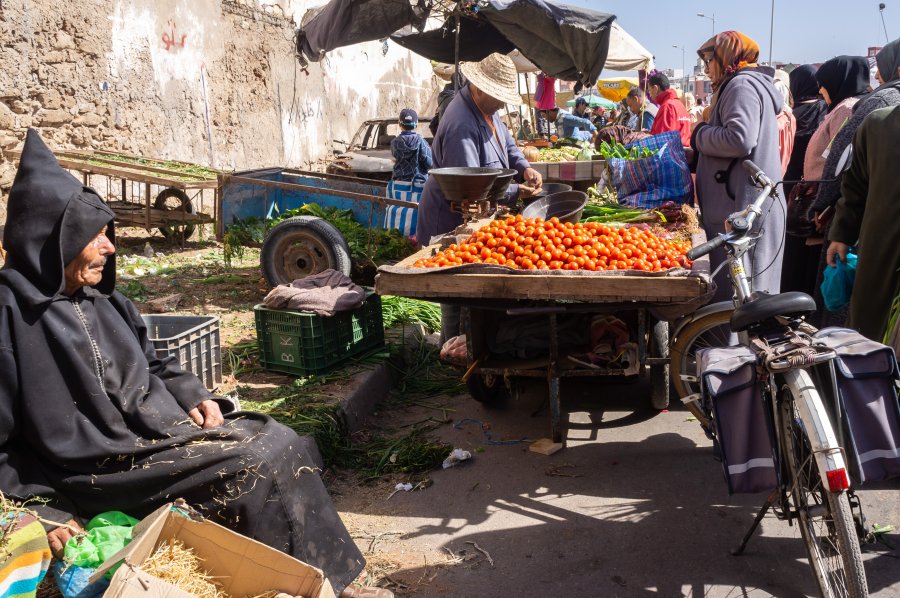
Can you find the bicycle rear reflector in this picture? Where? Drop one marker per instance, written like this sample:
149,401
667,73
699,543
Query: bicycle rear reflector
837,480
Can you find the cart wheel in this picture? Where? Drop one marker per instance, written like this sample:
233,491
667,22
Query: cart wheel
175,199
659,372
301,246
488,390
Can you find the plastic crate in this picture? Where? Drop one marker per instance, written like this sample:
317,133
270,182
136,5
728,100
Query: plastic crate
303,343
193,339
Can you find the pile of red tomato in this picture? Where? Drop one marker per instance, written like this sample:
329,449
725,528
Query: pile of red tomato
536,244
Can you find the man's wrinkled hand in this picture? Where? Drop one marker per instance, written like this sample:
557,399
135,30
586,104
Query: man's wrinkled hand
533,179
526,191
207,414
58,537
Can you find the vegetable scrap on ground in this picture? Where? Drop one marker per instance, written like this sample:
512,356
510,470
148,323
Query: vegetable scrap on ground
536,244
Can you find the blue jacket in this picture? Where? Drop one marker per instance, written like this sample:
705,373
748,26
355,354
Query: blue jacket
569,125
412,157
464,139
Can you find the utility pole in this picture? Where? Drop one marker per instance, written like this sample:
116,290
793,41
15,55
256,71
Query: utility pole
712,18
771,32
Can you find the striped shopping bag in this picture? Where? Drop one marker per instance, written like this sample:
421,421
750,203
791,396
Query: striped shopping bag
650,182
399,217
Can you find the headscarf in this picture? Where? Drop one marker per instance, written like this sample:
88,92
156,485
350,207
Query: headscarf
843,77
733,51
888,61
804,86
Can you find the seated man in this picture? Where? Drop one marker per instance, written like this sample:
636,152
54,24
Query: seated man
641,114
91,420
572,126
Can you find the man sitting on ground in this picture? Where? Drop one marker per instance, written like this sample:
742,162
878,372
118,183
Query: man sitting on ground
91,420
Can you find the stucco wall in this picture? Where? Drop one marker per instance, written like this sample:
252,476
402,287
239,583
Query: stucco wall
140,76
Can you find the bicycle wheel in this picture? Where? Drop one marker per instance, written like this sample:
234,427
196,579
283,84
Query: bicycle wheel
710,330
825,521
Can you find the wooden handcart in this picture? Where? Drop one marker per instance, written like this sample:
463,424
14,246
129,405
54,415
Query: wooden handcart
147,192
490,298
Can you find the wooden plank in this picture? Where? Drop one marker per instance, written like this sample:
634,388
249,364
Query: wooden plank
132,173
591,288
133,166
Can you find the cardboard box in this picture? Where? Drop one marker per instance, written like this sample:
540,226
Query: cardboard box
243,567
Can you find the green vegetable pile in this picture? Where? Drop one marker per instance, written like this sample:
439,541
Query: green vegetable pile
617,213
566,153
400,310
617,150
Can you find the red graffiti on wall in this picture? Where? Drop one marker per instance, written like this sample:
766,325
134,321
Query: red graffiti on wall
171,39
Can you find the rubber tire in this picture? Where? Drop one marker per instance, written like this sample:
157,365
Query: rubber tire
175,233
659,373
490,395
323,247
679,358
842,525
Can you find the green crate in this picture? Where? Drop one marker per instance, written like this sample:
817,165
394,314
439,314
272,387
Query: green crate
303,343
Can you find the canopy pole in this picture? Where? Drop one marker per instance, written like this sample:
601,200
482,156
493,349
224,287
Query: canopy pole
531,110
456,52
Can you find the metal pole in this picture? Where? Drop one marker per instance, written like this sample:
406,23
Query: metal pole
881,11
771,32
456,54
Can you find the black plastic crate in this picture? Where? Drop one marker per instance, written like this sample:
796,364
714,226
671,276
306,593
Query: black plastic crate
303,343
193,339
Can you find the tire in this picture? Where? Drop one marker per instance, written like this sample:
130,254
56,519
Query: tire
301,246
490,391
824,517
659,372
175,199
710,330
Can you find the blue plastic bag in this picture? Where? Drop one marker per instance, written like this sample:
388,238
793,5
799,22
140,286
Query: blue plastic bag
837,283
72,581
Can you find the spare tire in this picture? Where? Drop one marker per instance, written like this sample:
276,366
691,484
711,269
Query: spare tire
301,246
175,199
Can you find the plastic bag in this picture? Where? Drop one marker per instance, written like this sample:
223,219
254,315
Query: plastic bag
647,183
455,350
837,283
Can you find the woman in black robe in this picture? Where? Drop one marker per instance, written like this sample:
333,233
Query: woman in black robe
91,420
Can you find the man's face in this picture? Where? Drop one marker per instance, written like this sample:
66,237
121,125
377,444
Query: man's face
86,270
634,104
580,109
487,104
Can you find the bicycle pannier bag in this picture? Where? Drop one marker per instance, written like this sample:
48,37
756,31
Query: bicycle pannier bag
870,413
741,416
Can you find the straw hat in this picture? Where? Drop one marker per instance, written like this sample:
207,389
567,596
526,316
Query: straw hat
495,76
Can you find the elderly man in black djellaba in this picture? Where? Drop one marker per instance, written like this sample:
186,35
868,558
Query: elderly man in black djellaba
92,421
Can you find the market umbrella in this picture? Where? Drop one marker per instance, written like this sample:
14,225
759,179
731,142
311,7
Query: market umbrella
566,42
594,101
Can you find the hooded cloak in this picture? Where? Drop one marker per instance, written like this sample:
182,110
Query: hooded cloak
91,420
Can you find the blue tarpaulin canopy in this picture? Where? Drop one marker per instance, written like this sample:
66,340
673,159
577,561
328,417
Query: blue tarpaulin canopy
566,42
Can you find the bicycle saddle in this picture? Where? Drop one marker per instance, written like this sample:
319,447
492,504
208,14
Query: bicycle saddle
763,306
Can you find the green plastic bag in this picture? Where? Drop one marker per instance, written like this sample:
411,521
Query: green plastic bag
107,534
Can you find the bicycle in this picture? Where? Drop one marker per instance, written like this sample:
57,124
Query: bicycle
813,487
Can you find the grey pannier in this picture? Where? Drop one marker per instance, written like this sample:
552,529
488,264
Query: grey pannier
866,373
741,416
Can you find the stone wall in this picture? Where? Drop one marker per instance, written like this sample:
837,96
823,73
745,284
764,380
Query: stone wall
208,81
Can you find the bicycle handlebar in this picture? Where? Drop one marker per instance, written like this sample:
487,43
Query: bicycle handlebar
704,248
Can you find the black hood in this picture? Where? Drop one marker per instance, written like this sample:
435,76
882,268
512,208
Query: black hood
50,218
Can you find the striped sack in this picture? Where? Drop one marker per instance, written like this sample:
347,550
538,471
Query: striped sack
650,182
399,217
25,554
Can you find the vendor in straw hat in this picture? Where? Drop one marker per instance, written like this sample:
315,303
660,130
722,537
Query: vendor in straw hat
471,134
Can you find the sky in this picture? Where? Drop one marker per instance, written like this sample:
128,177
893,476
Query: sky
804,31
